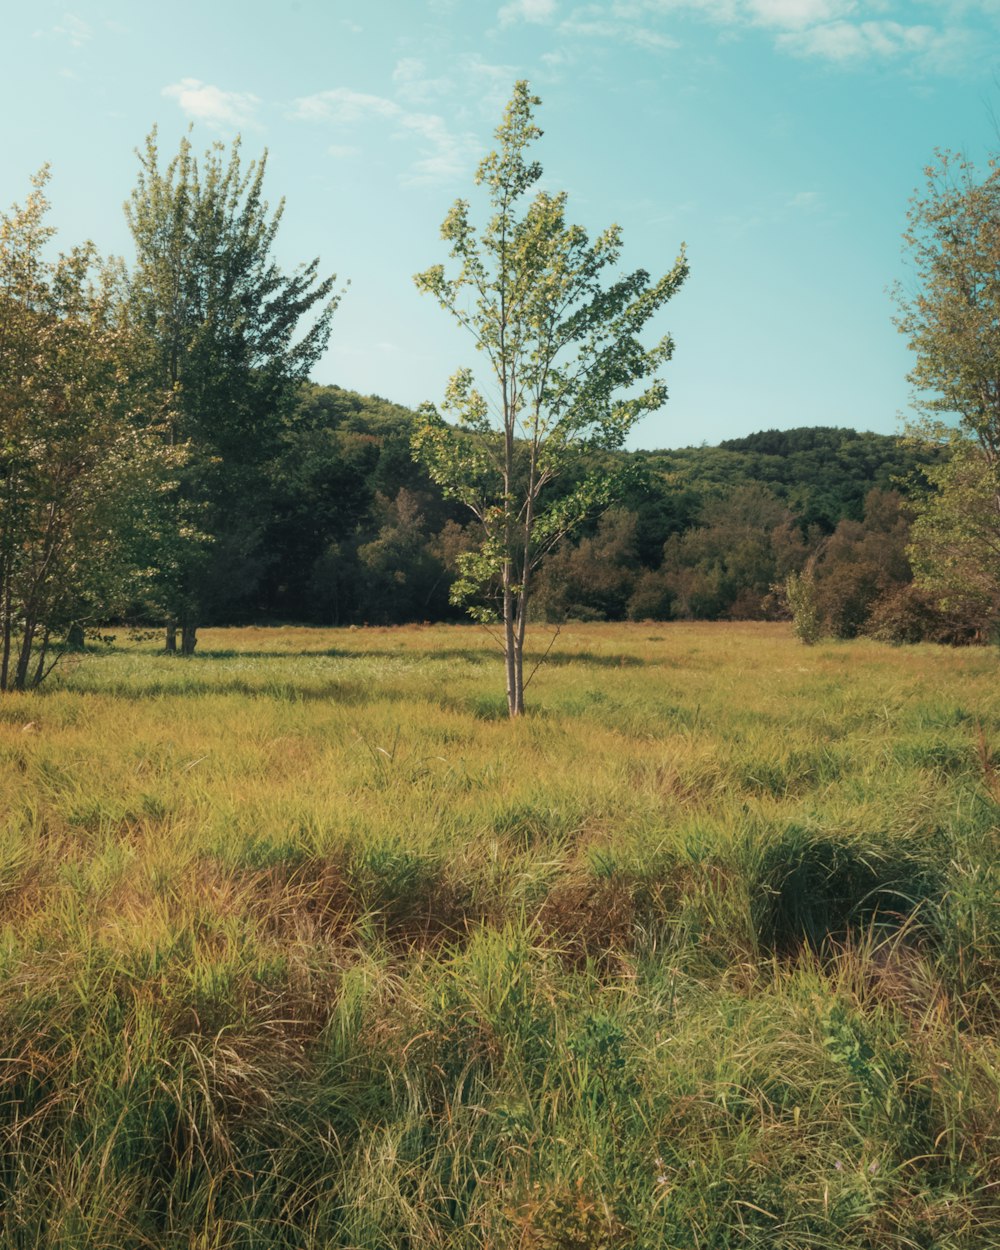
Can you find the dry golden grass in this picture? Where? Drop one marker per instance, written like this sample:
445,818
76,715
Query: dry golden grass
305,944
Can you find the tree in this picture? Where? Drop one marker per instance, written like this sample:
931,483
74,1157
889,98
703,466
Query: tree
953,319
228,338
953,325
594,579
955,547
82,465
566,368
861,563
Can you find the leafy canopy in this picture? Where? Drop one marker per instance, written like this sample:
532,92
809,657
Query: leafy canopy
565,363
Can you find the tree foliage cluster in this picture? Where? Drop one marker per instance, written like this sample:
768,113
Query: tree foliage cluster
140,408
84,468
950,315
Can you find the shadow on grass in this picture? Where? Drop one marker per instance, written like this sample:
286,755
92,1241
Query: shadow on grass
554,659
813,888
466,655
354,694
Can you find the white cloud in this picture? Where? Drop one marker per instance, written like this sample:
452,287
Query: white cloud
795,14
438,154
205,103
806,200
413,83
73,28
343,151
953,34
844,42
343,107
619,31
527,11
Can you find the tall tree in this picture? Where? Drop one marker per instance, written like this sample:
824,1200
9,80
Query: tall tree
952,322
952,319
82,465
566,369
228,338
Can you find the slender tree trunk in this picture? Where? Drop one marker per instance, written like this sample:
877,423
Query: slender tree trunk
8,580
512,650
7,627
40,667
24,657
170,637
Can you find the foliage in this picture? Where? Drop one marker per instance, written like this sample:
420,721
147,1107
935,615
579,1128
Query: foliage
594,578
564,359
800,594
952,320
861,562
955,547
727,565
911,614
80,481
227,336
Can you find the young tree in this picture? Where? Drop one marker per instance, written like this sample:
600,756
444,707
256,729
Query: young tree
80,481
566,370
228,338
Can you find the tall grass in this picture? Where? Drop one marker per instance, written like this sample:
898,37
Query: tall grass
304,945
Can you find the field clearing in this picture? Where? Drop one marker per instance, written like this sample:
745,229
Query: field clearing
306,945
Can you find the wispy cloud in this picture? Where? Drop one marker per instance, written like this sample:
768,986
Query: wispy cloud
584,24
343,107
806,200
217,108
414,84
796,14
70,28
343,151
527,11
73,28
841,32
437,152
845,42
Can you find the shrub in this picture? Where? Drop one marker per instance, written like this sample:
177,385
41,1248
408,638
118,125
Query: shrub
909,614
800,593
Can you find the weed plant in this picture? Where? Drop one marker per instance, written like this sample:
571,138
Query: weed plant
304,945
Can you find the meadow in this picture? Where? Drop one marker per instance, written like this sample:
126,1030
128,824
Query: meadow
304,944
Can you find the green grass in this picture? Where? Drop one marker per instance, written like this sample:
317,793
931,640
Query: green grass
303,944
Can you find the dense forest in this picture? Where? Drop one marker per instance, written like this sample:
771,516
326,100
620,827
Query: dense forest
353,531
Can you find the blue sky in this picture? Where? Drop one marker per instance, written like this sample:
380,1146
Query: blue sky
780,139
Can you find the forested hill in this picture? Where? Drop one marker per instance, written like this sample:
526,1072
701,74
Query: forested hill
822,472
359,532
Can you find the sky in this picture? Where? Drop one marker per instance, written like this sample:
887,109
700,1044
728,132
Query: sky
780,140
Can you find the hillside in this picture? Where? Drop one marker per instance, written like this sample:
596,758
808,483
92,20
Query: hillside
359,533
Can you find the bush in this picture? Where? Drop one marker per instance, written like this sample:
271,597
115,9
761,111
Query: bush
652,599
800,593
908,614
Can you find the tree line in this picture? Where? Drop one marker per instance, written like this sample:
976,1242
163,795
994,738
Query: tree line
360,533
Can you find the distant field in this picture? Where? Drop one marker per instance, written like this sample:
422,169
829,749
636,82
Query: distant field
304,944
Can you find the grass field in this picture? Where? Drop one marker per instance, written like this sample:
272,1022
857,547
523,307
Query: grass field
304,944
